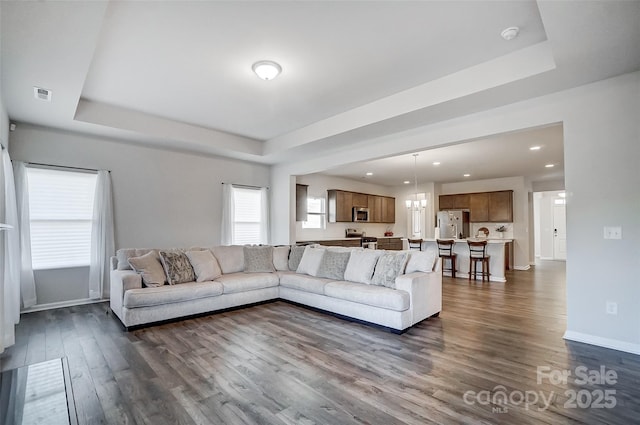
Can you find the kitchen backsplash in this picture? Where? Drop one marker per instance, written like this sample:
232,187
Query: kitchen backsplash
493,232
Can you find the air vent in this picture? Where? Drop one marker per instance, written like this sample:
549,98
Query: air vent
42,94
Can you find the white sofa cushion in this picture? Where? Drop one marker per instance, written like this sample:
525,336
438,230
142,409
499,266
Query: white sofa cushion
204,264
258,259
241,282
147,297
281,257
124,254
149,267
420,261
361,265
303,282
377,296
310,262
230,258
389,266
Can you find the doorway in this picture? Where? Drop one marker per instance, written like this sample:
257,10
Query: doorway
550,225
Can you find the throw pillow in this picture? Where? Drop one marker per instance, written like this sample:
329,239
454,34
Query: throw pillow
150,268
258,259
295,256
420,261
361,266
204,264
281,257
310,262
230,258
333,264
177,267
390,266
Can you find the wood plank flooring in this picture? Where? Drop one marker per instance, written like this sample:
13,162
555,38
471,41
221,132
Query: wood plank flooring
283,364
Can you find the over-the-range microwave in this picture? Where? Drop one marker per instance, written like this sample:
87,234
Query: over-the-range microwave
360,214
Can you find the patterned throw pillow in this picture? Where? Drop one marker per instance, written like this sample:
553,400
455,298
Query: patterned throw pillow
258,259
390,266
177,267
295,256
333,264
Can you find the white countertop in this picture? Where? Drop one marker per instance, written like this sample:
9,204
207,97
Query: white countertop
353,238
489,240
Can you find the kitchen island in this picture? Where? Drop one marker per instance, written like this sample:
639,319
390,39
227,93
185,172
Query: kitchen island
497,250
393,243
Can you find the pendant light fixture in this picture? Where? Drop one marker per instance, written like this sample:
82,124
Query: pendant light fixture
415,205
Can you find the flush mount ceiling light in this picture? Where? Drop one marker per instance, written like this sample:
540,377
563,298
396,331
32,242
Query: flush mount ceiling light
407,182
510,33
266,70
369,174
549,166
466,175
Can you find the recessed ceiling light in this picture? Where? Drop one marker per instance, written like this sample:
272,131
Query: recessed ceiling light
369,174
549,165
510,33
267,70
466,175
406,182
436,163
535,148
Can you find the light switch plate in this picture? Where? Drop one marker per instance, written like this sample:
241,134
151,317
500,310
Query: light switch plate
613,232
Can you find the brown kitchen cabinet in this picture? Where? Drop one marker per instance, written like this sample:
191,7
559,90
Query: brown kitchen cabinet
340,206
394,244
461,201
375,208
301,202
360,200
501,206
382,209
479,207
446,202
388,209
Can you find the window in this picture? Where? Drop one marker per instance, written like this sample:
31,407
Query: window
315,214
249,221
61,214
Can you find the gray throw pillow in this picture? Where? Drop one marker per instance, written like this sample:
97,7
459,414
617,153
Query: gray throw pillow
295,256
258,259
177,267
333,264
390,266
149,268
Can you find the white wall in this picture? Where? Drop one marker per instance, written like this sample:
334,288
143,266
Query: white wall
519,229
601,134
161,198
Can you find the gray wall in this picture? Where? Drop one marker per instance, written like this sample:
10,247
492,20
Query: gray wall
161,198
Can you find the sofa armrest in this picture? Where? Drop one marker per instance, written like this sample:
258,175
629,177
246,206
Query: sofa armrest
113,263
121,282
425,293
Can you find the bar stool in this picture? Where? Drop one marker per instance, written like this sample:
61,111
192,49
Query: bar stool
415,244
478,254
445,251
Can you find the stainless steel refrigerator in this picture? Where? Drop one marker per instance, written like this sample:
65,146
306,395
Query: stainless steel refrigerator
453,224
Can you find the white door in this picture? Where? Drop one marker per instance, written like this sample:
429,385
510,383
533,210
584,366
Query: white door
559,232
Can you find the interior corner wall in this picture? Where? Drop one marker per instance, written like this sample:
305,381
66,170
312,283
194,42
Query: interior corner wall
161,198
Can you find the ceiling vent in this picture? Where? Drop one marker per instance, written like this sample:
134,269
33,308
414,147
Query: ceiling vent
42,94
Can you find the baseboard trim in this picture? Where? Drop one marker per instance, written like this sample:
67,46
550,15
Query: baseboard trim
522,268
599,341
61,304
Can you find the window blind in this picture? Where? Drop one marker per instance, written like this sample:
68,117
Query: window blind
61,214
247,223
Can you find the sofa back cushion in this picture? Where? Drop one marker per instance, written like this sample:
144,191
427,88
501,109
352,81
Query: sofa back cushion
150,268
258,259
230,258
295,256
124,254
281,258
421,261
333,264
205,266
177,267
361,266
310,262
389,266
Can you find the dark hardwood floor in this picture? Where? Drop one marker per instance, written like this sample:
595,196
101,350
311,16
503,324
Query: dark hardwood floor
283,364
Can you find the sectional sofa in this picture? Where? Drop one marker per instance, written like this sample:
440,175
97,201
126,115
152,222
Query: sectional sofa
391,289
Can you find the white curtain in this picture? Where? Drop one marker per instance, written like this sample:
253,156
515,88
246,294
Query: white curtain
27,281
226,228
102,239
10,280
264,215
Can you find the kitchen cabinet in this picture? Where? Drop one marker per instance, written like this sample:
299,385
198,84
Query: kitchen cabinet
446,202
382,209
479,207
301,202
461,201
501,206
394,244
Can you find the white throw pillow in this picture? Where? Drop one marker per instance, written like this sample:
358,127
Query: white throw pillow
420,261
361,265
281,257
310,262
204,265
230,258
150,268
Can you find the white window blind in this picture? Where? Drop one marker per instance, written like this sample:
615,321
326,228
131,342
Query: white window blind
247,224
315,213
61,213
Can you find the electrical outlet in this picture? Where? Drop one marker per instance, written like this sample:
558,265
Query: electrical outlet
613,232
612,308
